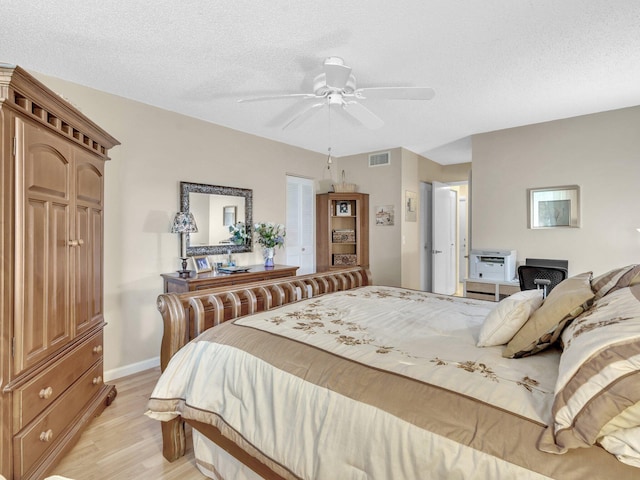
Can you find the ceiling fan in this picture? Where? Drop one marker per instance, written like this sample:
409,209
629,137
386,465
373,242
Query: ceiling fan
336,87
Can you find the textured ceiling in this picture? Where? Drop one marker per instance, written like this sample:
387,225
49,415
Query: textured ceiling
493,63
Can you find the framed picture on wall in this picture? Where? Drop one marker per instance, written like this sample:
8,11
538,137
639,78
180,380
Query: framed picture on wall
554,207
411,211
384,215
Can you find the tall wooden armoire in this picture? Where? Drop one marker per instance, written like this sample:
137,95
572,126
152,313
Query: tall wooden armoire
51,282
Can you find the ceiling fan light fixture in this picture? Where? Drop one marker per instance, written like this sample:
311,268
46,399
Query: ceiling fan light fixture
336,85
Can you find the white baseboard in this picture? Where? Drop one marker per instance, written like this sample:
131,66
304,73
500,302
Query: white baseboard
131,369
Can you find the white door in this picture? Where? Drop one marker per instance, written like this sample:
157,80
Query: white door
463,254
444,239
300,224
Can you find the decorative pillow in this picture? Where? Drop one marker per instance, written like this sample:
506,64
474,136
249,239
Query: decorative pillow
504,321
565,302
615,279
596,395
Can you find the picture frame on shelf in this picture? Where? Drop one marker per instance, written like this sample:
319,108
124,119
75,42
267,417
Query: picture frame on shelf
201,264
343,208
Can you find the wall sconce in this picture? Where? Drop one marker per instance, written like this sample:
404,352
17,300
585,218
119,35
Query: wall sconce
184,223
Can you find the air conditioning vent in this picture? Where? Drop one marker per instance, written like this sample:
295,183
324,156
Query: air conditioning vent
379,159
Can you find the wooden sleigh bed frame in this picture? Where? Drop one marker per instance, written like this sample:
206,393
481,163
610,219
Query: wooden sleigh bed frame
187,315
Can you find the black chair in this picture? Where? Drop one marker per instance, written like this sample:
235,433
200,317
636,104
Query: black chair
532,277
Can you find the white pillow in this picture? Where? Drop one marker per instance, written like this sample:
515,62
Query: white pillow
504,321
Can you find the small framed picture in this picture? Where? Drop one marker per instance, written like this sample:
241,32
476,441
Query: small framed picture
343,208
201,264
411,200
384,215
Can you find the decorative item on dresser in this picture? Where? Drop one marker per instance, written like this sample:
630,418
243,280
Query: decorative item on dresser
270,235
51,303
184,223
342,232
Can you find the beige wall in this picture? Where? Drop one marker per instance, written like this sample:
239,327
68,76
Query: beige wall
600,153
159,149
410,240
430,171
395,250
383,184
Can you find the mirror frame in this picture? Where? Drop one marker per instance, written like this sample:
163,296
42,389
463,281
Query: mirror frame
187,187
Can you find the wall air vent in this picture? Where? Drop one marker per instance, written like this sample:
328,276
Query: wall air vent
379,159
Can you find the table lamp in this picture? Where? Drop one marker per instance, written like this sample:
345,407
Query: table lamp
184,223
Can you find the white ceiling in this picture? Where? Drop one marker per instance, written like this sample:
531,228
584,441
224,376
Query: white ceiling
493,63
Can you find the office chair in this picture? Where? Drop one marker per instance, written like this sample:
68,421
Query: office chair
532,277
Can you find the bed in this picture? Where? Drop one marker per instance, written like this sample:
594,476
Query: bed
327,376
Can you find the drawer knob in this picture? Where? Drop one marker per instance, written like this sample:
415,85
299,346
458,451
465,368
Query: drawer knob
46,436
97,380
46,393
97,349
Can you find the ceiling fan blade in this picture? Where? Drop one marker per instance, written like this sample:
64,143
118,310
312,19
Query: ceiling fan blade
303,116
361,113
396,93
276,97
336,72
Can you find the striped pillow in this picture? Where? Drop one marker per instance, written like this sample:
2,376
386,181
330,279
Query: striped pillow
565,302
599,374
613,280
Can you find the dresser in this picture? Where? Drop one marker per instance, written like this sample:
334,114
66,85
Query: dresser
51,276
173,283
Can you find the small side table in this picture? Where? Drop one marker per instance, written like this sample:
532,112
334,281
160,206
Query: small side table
489,289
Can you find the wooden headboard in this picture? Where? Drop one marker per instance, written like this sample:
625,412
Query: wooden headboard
186,315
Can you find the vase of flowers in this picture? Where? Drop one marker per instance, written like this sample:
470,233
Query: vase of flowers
239,233
269,235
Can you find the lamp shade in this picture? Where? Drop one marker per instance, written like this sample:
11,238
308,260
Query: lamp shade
184,222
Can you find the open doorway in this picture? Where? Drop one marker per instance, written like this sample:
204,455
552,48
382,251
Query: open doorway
444,236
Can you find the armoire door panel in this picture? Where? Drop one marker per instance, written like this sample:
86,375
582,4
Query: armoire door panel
82,266
47,168
89,268
45,303
89,221
43,318
89,183
96,305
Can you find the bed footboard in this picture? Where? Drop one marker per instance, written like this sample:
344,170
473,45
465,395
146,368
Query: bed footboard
186,315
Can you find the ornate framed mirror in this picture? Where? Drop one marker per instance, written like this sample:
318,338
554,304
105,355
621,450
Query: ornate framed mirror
210,206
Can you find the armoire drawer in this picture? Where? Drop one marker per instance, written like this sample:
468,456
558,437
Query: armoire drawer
43,433
33,397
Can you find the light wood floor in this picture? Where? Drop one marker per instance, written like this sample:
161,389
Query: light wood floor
123,443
